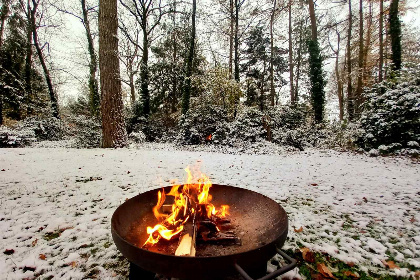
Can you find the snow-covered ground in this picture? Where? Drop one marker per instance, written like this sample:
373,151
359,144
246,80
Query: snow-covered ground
56,204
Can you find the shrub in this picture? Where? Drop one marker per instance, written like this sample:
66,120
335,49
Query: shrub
392,113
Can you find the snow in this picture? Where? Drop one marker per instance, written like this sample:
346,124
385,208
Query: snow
354,207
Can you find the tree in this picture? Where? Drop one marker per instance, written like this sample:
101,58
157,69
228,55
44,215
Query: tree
292,89
257,60
187,82
381,39
17,102
83,13
33,13
315,65
395,34
360,61
113,127
350,97
144,11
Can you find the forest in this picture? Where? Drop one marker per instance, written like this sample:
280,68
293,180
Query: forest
294,73
212,139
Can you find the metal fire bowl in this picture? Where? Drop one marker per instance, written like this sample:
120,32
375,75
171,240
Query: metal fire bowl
260,222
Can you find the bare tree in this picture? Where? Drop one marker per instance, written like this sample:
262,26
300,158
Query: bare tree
34,15
113,127
360,62
272,18
292,89
350,97
381,39
148,14
187,82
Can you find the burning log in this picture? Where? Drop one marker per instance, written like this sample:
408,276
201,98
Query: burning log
186,245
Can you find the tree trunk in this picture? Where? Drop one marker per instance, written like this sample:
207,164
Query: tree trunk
94,99
272,90
292,90
28,60
1,109
174,61
367,45
236,40
339,81
313,20
187,85
395,34
381,39
350,105
144,73
299,61
231,35
360,62
4,12
53,97
113,127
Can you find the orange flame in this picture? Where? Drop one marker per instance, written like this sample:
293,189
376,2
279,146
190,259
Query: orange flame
193,198
208,138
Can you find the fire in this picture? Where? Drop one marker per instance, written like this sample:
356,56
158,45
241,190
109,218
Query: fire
208,138
191,200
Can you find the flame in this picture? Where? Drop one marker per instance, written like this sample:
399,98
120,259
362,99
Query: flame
193,198
208,138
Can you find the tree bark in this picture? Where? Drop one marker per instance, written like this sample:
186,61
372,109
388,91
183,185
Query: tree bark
272,89
4,12
360,62
174,61
187,85
231,35
350,105
236,40
28,59
144,72
53,96
94,98
313,20
113,127
299,61
381,39
339,81
395,34
367,45
292,89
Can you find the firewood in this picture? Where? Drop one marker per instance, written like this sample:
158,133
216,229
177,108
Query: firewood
220,237
187,242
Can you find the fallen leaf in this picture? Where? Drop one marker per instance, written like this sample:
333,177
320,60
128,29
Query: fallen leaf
413,220
324,270
73,264
365,199
308,255
9,252
42,257
314,184
34,242
351,264
363,231
3,170
351,274
390,264
298,230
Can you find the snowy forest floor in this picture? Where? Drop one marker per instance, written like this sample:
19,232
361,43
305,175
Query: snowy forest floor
356,213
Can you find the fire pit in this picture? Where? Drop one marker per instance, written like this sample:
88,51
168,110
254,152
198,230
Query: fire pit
259,226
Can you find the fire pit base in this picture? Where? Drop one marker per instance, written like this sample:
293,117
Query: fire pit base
137,273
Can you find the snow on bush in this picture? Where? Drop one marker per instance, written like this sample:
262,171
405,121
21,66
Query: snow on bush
391,116
16,137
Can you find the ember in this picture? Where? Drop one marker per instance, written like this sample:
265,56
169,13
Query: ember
191,216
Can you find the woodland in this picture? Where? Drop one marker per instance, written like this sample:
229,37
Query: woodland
298,74
314,104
